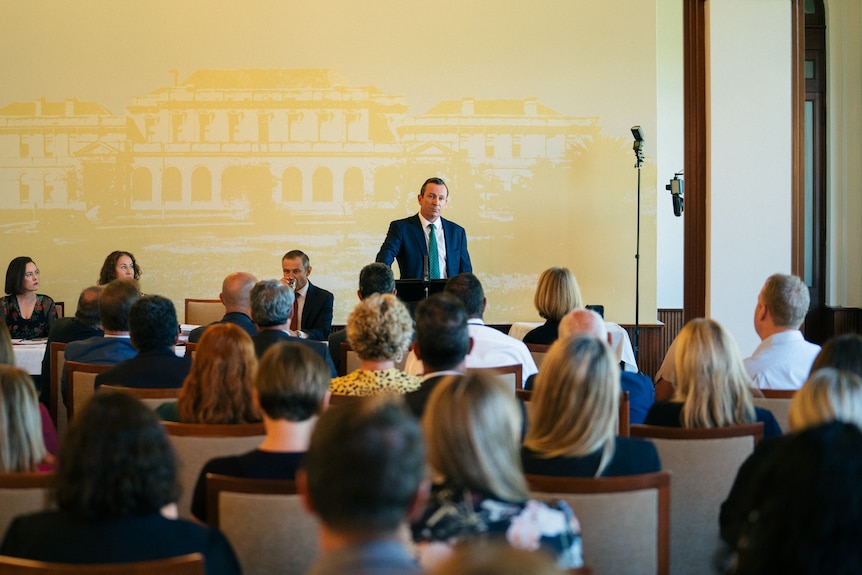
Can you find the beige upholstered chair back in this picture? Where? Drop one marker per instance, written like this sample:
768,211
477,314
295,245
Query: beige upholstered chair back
55,400
152,397
265,522
538,351
778,402
625,521
203,311
350,359
192,564
703,464
81,384
22,493
195,444
511,374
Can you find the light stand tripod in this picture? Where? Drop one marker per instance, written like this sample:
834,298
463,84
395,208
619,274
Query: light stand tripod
638,148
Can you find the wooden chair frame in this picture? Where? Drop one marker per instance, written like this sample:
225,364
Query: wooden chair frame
71,367
213,429
191,564
218,483
538,351
779,393
190,348
659,481
515,369
659,432
54,397
145,392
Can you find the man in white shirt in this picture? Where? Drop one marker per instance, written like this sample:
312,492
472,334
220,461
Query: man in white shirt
491,347
783,358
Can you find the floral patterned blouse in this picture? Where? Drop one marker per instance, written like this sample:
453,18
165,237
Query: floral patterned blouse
39,323
456,513
367,382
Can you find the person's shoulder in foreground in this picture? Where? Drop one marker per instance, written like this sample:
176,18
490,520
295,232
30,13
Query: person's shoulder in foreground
631,457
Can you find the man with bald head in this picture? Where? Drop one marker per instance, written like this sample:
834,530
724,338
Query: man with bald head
639,386
235,290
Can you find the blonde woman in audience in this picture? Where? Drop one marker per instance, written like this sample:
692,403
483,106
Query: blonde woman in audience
556,295
574,417
22,446
290,387
218,388
472,427
119,265
379,330
829,395
712,387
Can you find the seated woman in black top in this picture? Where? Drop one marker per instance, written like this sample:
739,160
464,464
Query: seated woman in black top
556,295
712,387
115,472
574,413
289,389
29,315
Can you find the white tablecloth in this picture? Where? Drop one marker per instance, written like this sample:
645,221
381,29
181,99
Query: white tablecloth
620,341
28,356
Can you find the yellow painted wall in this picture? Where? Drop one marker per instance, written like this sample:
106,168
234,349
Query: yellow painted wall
209,137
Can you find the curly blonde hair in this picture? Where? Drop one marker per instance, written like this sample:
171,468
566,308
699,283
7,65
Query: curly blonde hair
218,388
379,328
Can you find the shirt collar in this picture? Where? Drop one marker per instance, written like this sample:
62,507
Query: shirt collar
438,225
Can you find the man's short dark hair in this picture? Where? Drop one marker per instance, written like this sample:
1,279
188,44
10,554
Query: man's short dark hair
467,288
116,302
87,311
271,302
437,181
153,323
442,335
376,278
292,254
365,464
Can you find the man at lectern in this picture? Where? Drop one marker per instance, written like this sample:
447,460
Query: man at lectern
427,237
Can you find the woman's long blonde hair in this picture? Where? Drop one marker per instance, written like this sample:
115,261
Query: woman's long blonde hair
218,387
711,381
575,404
22,447
472,428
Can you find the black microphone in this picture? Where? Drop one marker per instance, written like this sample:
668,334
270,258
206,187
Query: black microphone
426,274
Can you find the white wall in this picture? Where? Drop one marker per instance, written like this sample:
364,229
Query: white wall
749,185
844,151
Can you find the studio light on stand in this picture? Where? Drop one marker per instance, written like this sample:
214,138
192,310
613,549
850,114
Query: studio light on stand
638,148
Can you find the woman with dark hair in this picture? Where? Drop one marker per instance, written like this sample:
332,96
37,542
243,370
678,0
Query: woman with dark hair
219,386
841,352
29,315
119,265
116,472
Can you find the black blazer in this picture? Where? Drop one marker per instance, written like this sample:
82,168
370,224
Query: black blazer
405,242
317,313
268,337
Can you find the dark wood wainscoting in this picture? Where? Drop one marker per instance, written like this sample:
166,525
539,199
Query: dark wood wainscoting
656,338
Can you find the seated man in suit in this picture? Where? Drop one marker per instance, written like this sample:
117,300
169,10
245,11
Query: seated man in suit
364,478
235,290
84,324
374,278
491,347
442,344
271,303
312,318
410,241
153,331
115,346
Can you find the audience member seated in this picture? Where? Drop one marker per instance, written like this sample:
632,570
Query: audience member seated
7,358
712,388
442,344
119,265
115,472
289,389
574,416
828,395
472,430
841,352
373,278
236,297
556,295
364,478
783,359
153,331
22,439
491,347
28,315
84,324
808,518
380,331
115,346
218,388
271,305
312,318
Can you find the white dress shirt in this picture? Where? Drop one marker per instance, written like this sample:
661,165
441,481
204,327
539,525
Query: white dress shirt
441,242
781,361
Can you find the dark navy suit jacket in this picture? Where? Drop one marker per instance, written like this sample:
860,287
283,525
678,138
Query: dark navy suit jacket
267,337
317,313
405,242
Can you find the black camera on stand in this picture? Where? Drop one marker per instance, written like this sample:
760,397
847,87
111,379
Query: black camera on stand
676,187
